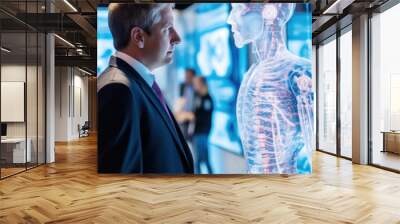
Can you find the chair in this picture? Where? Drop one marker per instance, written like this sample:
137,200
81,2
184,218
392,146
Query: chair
84,130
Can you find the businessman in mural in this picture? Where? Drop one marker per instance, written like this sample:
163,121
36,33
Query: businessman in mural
137,131
275,99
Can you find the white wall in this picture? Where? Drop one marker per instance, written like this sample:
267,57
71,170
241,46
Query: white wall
61,103
33,127
12,73
79,117
71,94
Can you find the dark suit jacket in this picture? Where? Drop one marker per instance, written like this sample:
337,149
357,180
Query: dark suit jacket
182,89
135,133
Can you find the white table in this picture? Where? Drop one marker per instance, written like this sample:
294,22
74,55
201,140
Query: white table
18,144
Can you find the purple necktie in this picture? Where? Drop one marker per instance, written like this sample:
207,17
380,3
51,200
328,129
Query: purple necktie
160,96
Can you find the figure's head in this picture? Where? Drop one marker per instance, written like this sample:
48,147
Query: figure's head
200,85
189,75
145,31
248,20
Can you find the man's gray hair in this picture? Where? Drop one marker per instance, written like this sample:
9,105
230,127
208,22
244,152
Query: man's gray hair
122,17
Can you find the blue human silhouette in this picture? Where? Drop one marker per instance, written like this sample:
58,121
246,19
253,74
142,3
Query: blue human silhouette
275,99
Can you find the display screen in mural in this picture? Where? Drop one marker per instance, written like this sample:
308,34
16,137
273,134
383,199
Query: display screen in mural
233,96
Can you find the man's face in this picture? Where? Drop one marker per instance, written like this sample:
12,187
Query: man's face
160,44
198,84
247,24
189,77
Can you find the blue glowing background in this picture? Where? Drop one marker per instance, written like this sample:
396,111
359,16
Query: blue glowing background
105,47
221,63
299,35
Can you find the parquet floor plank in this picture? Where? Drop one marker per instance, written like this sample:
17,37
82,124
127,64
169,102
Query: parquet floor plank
71,191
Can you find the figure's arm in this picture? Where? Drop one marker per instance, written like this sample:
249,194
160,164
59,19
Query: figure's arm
181,89
119,142
300,82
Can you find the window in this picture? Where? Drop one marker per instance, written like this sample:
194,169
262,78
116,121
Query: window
327,97
22,77
346,94
385,84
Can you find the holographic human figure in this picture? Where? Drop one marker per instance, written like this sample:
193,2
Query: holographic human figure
275,99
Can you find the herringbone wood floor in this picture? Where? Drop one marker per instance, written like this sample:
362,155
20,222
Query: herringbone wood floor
70,191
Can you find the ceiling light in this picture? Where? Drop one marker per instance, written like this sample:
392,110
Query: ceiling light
84,71
70,5
65,41
326,11
337,7
79,51
5,50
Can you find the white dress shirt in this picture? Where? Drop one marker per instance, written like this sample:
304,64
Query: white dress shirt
138,66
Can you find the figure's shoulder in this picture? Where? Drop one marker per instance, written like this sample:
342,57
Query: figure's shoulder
113,75
284,62
299,67
300,62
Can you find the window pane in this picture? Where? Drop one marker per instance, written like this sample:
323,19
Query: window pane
14,153
31,97
41,99
386,89
346,94
327,97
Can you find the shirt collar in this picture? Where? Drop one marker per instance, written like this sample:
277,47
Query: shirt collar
143,71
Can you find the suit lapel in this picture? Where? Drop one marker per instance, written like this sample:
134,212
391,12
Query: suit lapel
132,74
185,147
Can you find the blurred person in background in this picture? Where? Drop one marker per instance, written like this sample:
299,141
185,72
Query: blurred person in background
186,93
202,116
